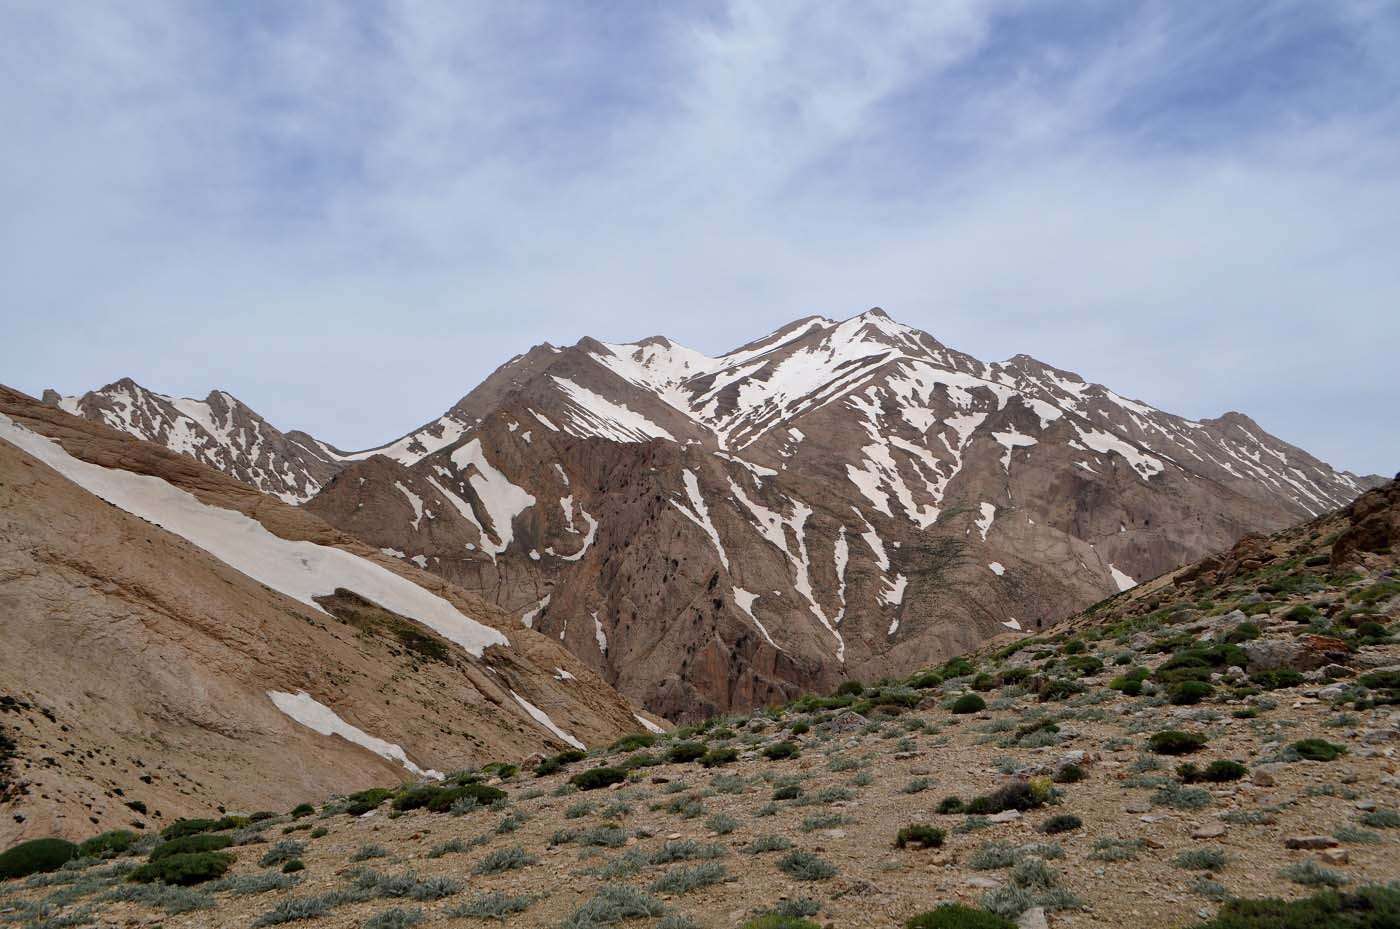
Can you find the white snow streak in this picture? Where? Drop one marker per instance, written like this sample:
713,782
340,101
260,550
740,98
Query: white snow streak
320,718
541,717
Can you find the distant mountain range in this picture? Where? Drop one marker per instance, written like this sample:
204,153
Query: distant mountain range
836,499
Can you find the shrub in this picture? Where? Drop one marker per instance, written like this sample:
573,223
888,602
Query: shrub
108,844
395,918
283,851
722,823
1188,693
804,866
493,905
950,805
968,703
366,852
1175,742
719,756
683,752
1368,908
1016,795
614,903
767,843
1217,772
184,869
850,688
1277,678
183,827
594,778
781,750
687,878
37,856
1065,822
957,916
633,741
293,866
1381,819
1172,794
504,859
302,809
190,844
1318,750
920,834
1200,859
1068,774
1310,873
358,804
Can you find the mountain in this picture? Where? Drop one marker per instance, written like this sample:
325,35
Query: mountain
219,431
836,499
174,639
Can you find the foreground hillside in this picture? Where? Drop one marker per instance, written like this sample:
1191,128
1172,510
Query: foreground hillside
837,499
174,640
1225,731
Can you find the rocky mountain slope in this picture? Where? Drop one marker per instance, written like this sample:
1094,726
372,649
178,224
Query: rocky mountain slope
174,639
1220,734
837,499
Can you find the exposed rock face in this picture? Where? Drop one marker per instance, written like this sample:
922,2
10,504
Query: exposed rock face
837,499
143,663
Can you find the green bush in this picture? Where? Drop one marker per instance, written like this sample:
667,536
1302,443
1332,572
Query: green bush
1318,750
850,688
358,804
925,680
949,806
37,856
719,756
1065,822
302,809
594,778
968,703
633,741
183,827
190,844
804,866
1217,772
1188,693
957,916
108,844
1016,795
1277,678
921,834
781,750
683,752
780,921
444,798
184,869
1175,742
1369,908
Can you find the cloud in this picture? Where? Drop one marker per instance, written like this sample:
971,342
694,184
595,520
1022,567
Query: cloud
349,214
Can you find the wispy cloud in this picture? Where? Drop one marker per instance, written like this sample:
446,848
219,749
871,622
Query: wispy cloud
348,214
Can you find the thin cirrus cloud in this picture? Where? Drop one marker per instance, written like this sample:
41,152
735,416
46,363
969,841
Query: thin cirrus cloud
348,214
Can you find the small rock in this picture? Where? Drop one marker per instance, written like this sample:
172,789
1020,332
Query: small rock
1137,806
1034,918
1212,830
1310,842
977,880
1334,856
1005,816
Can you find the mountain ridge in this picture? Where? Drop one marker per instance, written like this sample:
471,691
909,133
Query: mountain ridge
836,498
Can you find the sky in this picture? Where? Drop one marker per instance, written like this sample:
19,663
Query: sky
348,214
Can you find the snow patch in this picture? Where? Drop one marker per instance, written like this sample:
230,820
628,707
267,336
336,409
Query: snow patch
997,568
318,717
541,717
